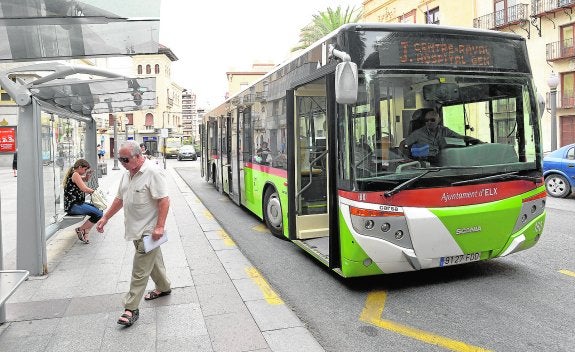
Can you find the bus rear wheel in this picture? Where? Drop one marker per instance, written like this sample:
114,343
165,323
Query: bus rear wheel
273,216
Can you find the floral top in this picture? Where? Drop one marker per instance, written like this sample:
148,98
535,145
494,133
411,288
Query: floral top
72,194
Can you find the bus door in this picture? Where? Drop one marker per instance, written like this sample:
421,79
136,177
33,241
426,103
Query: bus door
211,150
202,130
233,189
311,169
246,174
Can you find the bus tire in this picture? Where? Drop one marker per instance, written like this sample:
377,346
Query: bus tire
273,216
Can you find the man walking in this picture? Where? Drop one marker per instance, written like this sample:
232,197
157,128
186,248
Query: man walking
143,194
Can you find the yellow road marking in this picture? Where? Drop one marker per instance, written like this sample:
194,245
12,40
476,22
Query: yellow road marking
373,310
227,239
269,294
208,215
567,272
260,228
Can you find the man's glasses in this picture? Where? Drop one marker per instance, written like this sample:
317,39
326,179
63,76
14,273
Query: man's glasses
124,159
430,120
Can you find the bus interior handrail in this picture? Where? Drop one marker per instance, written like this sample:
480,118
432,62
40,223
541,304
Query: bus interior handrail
311,164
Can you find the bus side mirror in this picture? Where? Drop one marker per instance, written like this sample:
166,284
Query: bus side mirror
541,102
346,83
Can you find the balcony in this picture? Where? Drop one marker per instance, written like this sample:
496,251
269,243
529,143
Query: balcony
541,7
513,15
261,96
565,100
560,50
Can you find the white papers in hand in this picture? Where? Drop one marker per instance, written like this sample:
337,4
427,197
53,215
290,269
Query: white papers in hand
150,244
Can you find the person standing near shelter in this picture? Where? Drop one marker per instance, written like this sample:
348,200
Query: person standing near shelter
145,151
15,164
143,193
101,152
75,190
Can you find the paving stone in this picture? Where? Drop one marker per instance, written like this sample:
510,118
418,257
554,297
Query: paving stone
273,316
292,339
235,332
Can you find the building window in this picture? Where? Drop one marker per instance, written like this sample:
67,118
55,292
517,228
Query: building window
130,118
567,41
503,11
148,69
149,120
408,17
567,90
5,97
157,69
111,120
432,16
139,69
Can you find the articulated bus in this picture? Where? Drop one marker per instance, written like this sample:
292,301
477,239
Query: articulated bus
318,150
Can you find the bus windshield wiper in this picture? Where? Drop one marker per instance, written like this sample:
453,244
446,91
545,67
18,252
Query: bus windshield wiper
409,182
506,176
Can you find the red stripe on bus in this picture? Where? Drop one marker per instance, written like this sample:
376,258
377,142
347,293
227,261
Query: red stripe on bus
267,169
535,197
445,196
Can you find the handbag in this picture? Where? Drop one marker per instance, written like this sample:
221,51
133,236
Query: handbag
99,199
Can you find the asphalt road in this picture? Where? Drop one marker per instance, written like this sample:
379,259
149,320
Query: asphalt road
523,302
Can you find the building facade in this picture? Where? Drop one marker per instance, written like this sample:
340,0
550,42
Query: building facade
190,121
146,126
240,80
548,27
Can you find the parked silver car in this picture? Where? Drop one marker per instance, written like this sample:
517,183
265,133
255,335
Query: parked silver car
187,152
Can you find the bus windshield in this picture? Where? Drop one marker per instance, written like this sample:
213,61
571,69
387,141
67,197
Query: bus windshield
463,127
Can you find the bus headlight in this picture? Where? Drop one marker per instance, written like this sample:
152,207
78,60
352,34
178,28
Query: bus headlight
385,225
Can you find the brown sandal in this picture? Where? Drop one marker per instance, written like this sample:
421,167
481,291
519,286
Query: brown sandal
81,233
153,295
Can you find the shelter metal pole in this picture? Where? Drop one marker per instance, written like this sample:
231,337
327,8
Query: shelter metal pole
30,223
90,143
116,167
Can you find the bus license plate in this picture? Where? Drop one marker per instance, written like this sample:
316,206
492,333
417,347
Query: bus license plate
460,259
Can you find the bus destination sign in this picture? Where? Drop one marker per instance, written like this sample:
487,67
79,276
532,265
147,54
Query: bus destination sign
437,53
433,50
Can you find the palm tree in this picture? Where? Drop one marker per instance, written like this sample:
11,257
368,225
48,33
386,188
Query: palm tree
325,22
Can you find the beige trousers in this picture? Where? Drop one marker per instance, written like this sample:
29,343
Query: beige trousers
145,265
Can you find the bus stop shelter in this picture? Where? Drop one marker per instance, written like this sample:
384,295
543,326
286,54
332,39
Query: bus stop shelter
48,30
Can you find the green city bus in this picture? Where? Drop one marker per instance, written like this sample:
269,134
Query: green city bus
317,148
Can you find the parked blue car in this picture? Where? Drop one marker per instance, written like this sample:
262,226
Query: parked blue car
559,171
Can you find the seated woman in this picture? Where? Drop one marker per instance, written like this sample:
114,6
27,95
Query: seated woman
75,190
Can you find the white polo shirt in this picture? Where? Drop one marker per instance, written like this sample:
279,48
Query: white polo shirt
140,196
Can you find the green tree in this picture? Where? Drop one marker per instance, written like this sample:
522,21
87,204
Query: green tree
325,22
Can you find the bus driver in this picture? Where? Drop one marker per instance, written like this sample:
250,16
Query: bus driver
427,141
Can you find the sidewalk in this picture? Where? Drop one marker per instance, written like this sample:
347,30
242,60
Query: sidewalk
219,301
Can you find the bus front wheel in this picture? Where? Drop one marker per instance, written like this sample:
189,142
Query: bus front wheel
273,212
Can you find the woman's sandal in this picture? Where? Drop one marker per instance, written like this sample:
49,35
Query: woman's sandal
81,233
153,295
130,319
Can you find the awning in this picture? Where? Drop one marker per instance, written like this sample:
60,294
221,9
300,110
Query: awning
72,90
59,29
99,96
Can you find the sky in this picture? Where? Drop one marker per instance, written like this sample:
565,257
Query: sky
213,37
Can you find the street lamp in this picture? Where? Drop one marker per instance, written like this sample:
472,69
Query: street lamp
553,82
